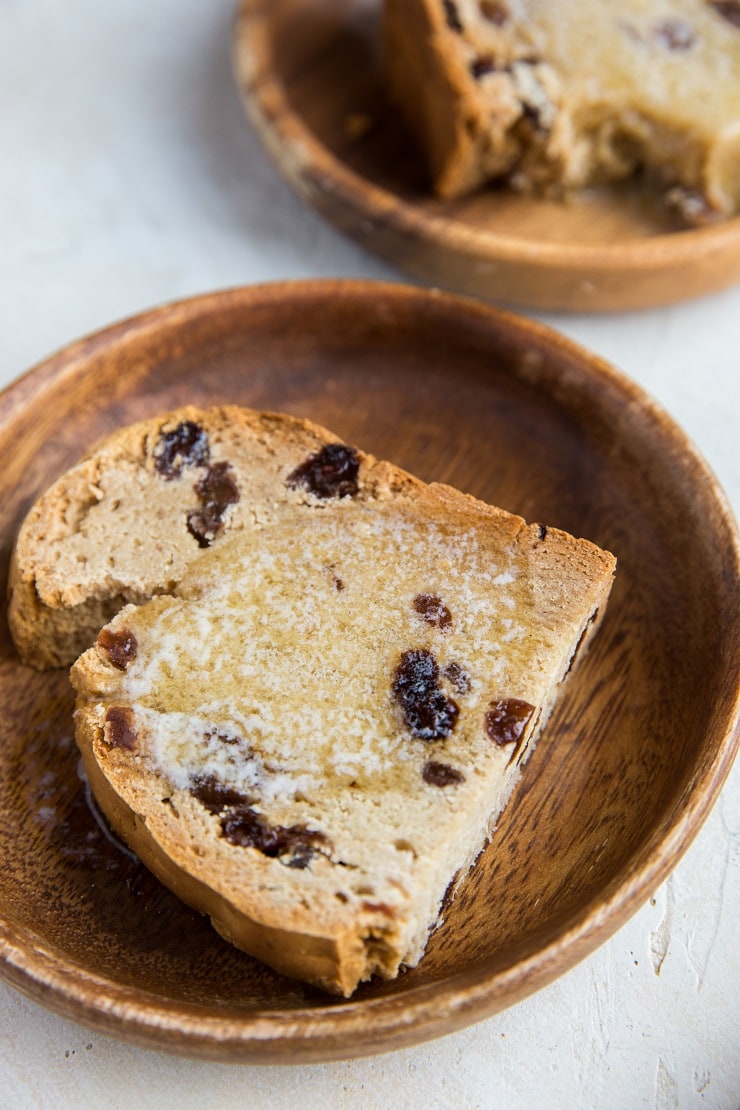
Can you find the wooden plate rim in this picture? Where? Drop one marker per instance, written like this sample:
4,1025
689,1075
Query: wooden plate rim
430,1010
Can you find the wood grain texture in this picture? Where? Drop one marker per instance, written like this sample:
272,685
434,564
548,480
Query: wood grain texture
311,76
622,778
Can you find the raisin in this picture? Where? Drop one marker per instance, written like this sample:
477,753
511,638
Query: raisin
452,15
507,719
495,11
331,472
242,826
433,610
121,731
245,828
216,796
458,676
482,66
542,531
728,9
674,34
216,491
441,774
120,646
427,712
185,445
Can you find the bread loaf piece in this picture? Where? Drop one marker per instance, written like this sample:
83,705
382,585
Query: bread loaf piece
553,95
125,523
313,736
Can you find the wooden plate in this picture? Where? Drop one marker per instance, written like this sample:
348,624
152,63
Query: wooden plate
311,76
622,778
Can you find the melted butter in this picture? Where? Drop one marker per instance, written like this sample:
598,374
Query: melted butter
263,669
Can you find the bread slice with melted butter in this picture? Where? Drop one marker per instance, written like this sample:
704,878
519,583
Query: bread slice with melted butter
313,735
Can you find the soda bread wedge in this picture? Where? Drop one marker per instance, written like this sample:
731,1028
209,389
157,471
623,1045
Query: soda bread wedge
312,736
124,524
553,95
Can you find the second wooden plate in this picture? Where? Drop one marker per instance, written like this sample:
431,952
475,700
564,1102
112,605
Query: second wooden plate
311,76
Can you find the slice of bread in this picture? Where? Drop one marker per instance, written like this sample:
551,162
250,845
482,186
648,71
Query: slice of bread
553,96
126,522
314,735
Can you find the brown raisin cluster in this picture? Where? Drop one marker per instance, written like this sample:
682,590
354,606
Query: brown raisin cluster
241,825
185,445
507,719
427,711
441,774
216,490
120,730
120,646
332,472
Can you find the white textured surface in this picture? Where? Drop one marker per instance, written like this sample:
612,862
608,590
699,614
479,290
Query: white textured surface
128,177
